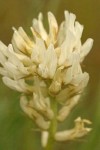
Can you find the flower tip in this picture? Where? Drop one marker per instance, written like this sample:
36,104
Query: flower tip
66,12
52,20
10,46
87,121
88,129
78,119
13,28
40,16
82,120
50,13
91,42
44,138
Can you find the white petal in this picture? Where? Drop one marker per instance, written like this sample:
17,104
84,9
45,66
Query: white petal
3,48
55,86
48,67
2,59
61,34
64,135
44,138
24,59
66,109
38,52
18,85
41,27
52,60
19,43
35,25
13,71
44,125
67,47
39,103
3,72
26,88
53,27
80,81
75,87
15,61
86,48
12,84
25,36
78,30
33,114
72,18
73,70
78,131
66,17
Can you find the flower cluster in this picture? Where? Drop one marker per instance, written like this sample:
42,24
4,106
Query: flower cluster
48,66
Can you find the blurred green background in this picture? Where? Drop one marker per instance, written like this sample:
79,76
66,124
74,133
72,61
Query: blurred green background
16,130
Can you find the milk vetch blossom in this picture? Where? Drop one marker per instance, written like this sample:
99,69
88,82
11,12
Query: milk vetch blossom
46,69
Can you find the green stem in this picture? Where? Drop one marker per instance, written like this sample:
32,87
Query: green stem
53,126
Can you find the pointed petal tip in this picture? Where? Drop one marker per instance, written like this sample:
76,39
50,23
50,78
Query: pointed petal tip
91,41
50,13
14,29
66,12
40,16
77,119
51,17
88,129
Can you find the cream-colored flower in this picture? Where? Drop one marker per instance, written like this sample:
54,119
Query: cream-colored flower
78,131
45,66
